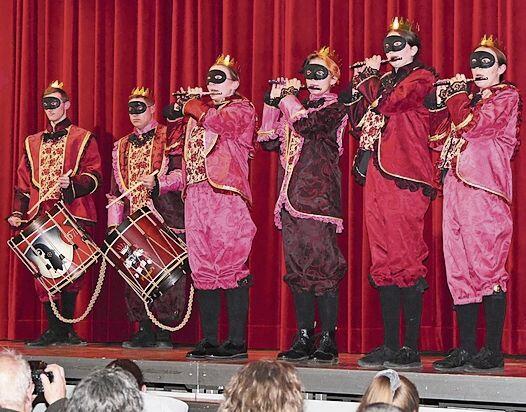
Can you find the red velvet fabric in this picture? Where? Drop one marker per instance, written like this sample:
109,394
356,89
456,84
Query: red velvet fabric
102,49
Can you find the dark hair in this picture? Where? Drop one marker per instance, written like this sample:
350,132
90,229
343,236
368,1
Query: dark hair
106,389
129,366
63,95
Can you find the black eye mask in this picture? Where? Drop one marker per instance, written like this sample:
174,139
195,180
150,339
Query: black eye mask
136,107
51,102
315,71
394,43
216,76
481,59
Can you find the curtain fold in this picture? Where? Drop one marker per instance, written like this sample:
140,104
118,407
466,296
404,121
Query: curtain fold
102,49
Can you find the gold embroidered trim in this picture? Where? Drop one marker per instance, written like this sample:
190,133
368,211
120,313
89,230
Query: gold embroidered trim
463,179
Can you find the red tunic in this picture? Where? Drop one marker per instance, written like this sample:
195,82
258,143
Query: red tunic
78,153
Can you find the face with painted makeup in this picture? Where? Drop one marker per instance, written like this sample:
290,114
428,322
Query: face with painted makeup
484,63
396,46
221,83
54,107
141,113
318,77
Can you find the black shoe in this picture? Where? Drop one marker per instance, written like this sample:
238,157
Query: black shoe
72,339
405,359
229,350
49,337
201,350
302,348
163,340
455,360
486,361
327,351
376,358
144,338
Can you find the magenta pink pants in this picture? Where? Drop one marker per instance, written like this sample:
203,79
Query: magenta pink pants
219,233
477,228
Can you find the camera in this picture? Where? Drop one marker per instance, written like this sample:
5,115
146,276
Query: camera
37,368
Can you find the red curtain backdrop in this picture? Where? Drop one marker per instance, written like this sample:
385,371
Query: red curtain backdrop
102,49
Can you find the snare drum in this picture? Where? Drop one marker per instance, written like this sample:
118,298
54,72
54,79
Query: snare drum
146,253
55,248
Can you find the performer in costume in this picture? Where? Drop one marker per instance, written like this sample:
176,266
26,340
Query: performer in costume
308,210
136,157
478,134
218,136
48,156
388,114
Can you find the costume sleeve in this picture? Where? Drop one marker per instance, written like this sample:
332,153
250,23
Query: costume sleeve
89,175
22,188
172,180
115,211
486,120
368,83
319,124
408,95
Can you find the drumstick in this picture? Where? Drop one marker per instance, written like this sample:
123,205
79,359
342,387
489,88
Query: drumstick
48,193
131,189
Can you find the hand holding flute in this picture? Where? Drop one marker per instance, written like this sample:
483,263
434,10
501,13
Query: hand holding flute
369,62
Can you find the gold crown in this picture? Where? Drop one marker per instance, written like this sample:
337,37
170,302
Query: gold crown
326,52
56,84
142,91
227,61
489,42
403,24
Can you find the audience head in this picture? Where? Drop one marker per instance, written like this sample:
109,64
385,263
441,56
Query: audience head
381,407
264,386
108,390
131,367
16,386
391,388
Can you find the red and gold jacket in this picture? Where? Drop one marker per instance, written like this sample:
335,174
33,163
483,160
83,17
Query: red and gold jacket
478,136
398,122
135,155
50,154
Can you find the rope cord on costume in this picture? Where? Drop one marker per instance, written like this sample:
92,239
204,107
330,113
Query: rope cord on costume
183,322
96,293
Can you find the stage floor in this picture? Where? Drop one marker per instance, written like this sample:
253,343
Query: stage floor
170,369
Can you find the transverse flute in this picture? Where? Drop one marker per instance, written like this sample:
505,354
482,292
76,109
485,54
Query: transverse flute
361,64
184,94
445,82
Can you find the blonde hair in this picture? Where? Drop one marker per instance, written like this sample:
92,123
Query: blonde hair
264,386
331,64
379,391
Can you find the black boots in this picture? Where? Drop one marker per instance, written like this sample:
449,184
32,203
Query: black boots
143,338
235,346
459,358
389,354
68,311
54,334
302,347
327,351
59,333
209,306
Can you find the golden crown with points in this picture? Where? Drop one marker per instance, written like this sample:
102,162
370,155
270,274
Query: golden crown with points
490,42
227,61
325,51
399,23
141,92
56,84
